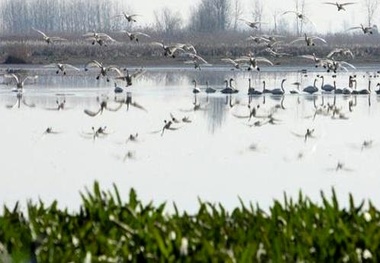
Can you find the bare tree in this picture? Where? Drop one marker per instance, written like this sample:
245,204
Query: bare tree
168,21
258,10
238,10
210,16
370,7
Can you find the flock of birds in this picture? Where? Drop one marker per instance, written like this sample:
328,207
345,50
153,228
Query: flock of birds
248,62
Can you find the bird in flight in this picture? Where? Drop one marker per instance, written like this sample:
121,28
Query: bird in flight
252,24
340,6
48,39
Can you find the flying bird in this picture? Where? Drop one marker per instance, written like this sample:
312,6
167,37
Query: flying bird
300,16
47,38
129,18
20,80
366,30
100,38
340,6
134,35
169,51
103,69
308,39
61,67
252,24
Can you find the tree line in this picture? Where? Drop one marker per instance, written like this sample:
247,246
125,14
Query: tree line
78,16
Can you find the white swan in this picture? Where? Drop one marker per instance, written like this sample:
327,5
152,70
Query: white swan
103,69
309,40
251,24
48,39
134,35
20,81
340,6
169,51
61,67
366,30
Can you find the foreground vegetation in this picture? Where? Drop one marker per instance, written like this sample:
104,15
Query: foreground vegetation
107,229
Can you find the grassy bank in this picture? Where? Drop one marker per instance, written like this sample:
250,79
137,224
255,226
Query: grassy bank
109,229
145,54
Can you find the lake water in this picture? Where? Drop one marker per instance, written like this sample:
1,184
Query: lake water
219,156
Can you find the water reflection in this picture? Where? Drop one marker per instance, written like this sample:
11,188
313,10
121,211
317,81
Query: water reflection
216,146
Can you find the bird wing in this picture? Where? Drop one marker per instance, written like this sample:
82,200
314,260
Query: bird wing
39,31
308,57
319,38
355,27
288,12
138,73
29,77
12,75
157,44
58,39
348,64
93,63
89,34
104,35
71,66
262,59
141,34
115,68
229,60
298,39
333,52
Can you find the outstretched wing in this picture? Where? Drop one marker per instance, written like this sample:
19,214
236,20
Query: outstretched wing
93,63
39,31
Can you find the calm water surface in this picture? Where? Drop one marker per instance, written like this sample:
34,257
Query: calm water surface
219,156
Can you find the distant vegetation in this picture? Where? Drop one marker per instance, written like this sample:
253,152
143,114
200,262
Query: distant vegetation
108,229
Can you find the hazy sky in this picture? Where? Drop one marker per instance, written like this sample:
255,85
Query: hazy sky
325,17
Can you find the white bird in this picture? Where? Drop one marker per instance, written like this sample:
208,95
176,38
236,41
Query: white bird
129,18
169,50
252,24
253,61
340,6
48,39
196,60
340,52
234,62
308,39
99,38
130,76
103,69
300,16
134,35
20,80
258,40
366,30
61,67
